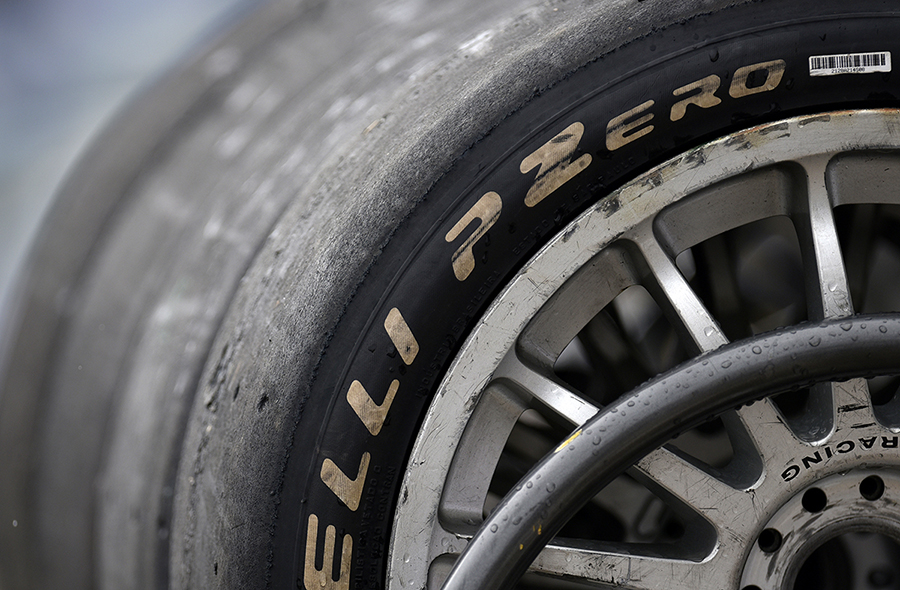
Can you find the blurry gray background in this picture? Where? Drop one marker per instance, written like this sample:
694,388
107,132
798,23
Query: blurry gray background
66,66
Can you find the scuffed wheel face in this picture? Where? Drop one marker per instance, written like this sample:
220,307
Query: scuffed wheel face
688,482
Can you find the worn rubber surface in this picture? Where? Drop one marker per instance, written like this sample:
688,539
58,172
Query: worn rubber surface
351,480
180,378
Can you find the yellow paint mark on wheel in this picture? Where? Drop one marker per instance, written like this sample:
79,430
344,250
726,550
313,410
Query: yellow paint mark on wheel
348,491
319,579
486,210
401,336
566,442
556,165
371,414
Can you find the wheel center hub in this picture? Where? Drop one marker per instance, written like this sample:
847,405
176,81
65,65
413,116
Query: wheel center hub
860,503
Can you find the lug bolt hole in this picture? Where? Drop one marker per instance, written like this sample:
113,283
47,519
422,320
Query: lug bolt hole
871,488
814,500
769,541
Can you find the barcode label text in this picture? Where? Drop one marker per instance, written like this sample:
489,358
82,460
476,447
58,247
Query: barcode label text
850,63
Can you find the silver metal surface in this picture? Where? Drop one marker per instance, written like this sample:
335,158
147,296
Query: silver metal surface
607,444
800,169
848,509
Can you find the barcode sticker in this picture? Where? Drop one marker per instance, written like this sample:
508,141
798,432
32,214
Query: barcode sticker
849,63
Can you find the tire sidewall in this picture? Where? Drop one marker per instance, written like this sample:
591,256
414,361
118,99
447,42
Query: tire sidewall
345,466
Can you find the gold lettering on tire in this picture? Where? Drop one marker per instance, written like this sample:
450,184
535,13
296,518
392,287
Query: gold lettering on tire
774,71
319,579
401,336
348,491
371,414
556,165
705,99
624,129
486,210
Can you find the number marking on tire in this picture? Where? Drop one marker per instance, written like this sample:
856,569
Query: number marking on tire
556,165
319,579
487,210
348,491
371,414
401,336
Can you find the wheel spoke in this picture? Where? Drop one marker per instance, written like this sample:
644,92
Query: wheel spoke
828,290
470,474
769,434
710,497
828,296
564,402
637,572
852,404
676,297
